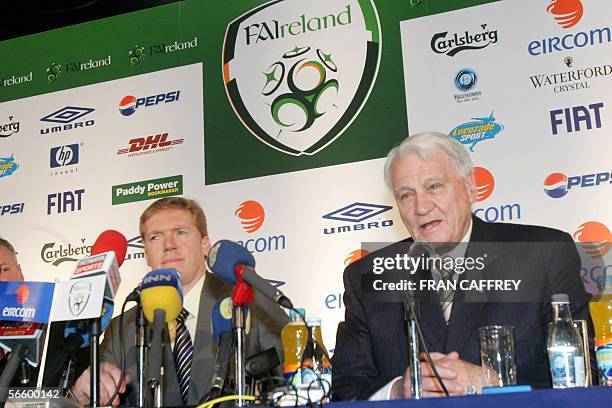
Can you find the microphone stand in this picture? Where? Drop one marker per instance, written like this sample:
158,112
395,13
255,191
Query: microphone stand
141,347
12,365
242,295
94,357
411,313
155,363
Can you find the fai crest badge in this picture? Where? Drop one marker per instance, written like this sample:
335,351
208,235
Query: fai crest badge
79,296
298,73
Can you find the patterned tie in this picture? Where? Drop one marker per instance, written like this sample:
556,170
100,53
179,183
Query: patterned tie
447,296
183,353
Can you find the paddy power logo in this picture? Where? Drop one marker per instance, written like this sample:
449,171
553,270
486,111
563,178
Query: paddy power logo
298,73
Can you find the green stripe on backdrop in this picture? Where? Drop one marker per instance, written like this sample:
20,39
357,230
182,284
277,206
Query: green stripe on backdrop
232,152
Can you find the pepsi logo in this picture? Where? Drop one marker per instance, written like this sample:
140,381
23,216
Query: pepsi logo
555,185
127,106
485,183
567,13
354,256
595,239
251,215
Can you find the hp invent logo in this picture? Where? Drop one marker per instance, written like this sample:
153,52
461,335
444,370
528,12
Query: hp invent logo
356,213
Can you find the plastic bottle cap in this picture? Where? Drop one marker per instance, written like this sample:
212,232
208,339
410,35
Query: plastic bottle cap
313,321
293,313
560,298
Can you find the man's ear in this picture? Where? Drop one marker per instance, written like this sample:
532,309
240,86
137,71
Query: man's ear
470,184
20,274
205,245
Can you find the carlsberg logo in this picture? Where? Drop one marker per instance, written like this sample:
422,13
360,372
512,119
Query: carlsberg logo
274,29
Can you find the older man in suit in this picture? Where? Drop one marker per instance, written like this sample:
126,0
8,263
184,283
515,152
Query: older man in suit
175,235
430,175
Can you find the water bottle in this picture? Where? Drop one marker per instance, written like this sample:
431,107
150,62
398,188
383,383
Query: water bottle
601,313
294,336
317,367
565,352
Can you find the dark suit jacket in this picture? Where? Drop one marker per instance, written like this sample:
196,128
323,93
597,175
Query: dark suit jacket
267,320
371,344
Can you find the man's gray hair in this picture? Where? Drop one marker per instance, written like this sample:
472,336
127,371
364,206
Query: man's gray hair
426,144
7,245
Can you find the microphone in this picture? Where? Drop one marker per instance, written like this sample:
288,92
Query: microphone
421,248
94,281
27,334
225,260
162,290
222,332
76,335
107,255
111,240
23,340
161,297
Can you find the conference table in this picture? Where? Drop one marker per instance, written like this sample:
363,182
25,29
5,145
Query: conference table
544,398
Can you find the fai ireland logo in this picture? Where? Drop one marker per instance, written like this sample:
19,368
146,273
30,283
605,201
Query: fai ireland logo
298,73
79,296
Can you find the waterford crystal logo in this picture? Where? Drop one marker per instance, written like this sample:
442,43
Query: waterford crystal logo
317,74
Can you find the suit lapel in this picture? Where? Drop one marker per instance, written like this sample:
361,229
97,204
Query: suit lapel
204,347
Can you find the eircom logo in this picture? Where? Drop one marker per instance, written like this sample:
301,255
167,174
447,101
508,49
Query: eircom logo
297,74
355,255
557,185
595,239
129,104
567,13
252,215
485,183
23,293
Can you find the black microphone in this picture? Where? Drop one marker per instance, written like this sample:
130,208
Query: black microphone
222,332
76,336
223,259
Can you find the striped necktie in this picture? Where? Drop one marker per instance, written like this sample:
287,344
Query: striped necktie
183,353
447,296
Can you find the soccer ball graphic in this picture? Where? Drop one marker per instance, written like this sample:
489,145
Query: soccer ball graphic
300,88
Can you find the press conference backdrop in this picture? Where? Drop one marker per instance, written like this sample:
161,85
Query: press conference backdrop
276,116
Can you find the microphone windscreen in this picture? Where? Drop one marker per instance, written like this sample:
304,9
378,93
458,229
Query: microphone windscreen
221,318
161,289
111,240
224,256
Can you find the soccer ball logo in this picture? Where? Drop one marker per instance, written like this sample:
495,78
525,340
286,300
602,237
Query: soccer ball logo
54,72
137,54
300,88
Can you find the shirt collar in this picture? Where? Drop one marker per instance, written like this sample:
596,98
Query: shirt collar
191,300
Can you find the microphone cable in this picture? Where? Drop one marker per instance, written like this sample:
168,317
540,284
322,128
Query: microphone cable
122,355
426,349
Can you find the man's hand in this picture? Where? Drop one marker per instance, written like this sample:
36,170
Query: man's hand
109,377
455,373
